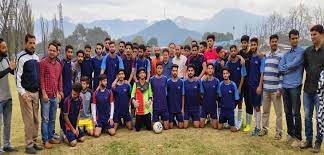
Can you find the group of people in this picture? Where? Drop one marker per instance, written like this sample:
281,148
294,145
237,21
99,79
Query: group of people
197,83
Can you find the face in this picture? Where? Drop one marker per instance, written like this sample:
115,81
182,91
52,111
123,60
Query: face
233,52
84,85
210,70
202,48
99,50
87,52
226,74
274,44
191,72
140,53
103,83
112,48
159,70
121,75
52,52
121,47
135,52
193,43
221,53
254,46
186,52
31,44
210,43
316,37
172,49
69,54
128,50
80,58
75,94
142,75
174,72
294,39
178,51
3,48
244,45
194,50
156,51
147,52
59,49
107,44
165,56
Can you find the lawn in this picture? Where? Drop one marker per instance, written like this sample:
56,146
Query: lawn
175,141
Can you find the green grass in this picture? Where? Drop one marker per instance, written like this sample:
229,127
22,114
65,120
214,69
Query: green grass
175,141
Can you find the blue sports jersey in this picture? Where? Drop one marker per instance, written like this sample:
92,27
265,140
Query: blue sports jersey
66,77
237,71
210,88
256,67
145,63
218,70
103,100
111,67
192,90
128,64
122,97
228,94
159,86
87,69
72,109
175,92
96,64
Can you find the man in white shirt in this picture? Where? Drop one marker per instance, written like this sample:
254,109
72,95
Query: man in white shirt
180,60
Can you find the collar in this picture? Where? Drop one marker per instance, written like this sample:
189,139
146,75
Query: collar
49,60
275,52
29,52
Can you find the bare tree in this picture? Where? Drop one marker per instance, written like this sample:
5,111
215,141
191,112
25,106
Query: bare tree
44,31
318,15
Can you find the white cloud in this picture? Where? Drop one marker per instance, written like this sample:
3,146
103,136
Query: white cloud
85,10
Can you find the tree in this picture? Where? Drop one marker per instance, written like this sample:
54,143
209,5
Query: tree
138,39
44,31
152,42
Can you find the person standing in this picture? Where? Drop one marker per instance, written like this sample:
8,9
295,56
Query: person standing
180,60
6,67
87,65
28,83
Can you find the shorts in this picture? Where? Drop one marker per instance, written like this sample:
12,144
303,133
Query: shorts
194,115
71,136
86,123
126,118
254,98
178,116
204,112
227,116
163,114
104,124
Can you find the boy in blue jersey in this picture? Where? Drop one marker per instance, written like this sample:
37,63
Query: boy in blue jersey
236,66
111,64
229,96
209,106
218,65
255,82
103,108
71,108
159,86
122,91
175,98
96,64
192,99
142,62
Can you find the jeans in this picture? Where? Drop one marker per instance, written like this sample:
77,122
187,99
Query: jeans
5,112
292,103
311,101
48,113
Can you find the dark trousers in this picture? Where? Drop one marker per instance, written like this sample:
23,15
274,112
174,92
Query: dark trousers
291,100
245,94
143,120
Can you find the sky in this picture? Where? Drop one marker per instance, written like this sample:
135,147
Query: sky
151,10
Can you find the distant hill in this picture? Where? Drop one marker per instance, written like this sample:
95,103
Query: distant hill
165,31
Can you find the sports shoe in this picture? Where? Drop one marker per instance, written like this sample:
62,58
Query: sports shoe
37,147
9,149
48,145
316,148
255,132
278,136
247,128
296,143
306,145
263,132
54,141
242,127
30,150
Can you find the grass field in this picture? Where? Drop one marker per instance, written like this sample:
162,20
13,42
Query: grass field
175,141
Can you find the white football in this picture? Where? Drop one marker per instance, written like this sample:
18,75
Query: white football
157,127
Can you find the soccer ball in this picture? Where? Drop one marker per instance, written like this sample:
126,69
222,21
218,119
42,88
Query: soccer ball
157,127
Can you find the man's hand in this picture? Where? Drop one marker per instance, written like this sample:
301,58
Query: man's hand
148,103
45,97
12,65
278,93
59,97
239,90
94,122
135,103
259,90
26,97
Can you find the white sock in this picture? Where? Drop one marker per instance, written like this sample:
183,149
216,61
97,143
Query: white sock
239,115
248,119
258,120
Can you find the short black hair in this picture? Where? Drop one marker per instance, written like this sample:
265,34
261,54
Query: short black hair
29,36
245,38
84,79
165,50
172,43
187,47
254,39
122,42
233,46
191,66
87,46
219,48
107,39
100,44
204,43
135,46
52,44
102,77
210,64
112,42
211,36
142,46
1,40
195,46
226,69
57,42
274,36
80,51
293,32
159,64
129,44
175,66
194,41
121,70
67,47
76,87
318,28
